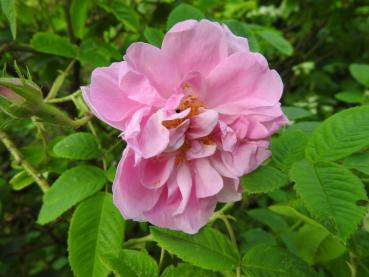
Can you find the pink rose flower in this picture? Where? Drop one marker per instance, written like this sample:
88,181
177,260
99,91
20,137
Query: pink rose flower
196,115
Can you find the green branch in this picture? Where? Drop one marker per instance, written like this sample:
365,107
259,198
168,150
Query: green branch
18,157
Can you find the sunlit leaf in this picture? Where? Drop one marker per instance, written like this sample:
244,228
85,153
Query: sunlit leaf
53,44
209,249
131,263
264,179
96,229
73,186
340,135
78,146
330,192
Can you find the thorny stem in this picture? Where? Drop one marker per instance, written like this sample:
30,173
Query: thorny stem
17,155
132,243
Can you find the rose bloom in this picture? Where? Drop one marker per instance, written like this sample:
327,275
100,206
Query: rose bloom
196,114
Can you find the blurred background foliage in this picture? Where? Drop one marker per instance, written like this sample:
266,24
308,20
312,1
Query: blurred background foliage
314,45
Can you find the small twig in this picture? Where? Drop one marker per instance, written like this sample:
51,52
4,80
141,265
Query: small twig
133,242
233,239
17,155
161,260
82,121
220,213
63,99
59,81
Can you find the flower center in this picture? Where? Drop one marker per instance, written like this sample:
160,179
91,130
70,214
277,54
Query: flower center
192,102
189,101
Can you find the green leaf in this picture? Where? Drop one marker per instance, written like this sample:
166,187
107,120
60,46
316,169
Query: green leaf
340,135
360,72
183,12
288,148
131,263
264,179
293,213
294,113
187,270
242,30
123,13
9,8
359,162
273,261
78,146
277,41
270,219
330,193
53,44
307,127
93,53
21,180
154,36
96,229
73,186
209,248
254,237
78,13
313,244
330,249
351,97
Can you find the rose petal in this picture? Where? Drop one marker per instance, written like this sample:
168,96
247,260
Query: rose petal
207,179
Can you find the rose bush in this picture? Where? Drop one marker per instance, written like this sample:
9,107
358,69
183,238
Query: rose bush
219,174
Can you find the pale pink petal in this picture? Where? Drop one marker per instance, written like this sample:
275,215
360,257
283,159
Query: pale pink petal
155,137
154,64
177,136
195,215
131,198
203,124
245,158
192,83
184,181
235,43
200,150
230,191
228,137
242,81
138,88
195,46
133,131
223,168
173,101
207,180
107,99
155,172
